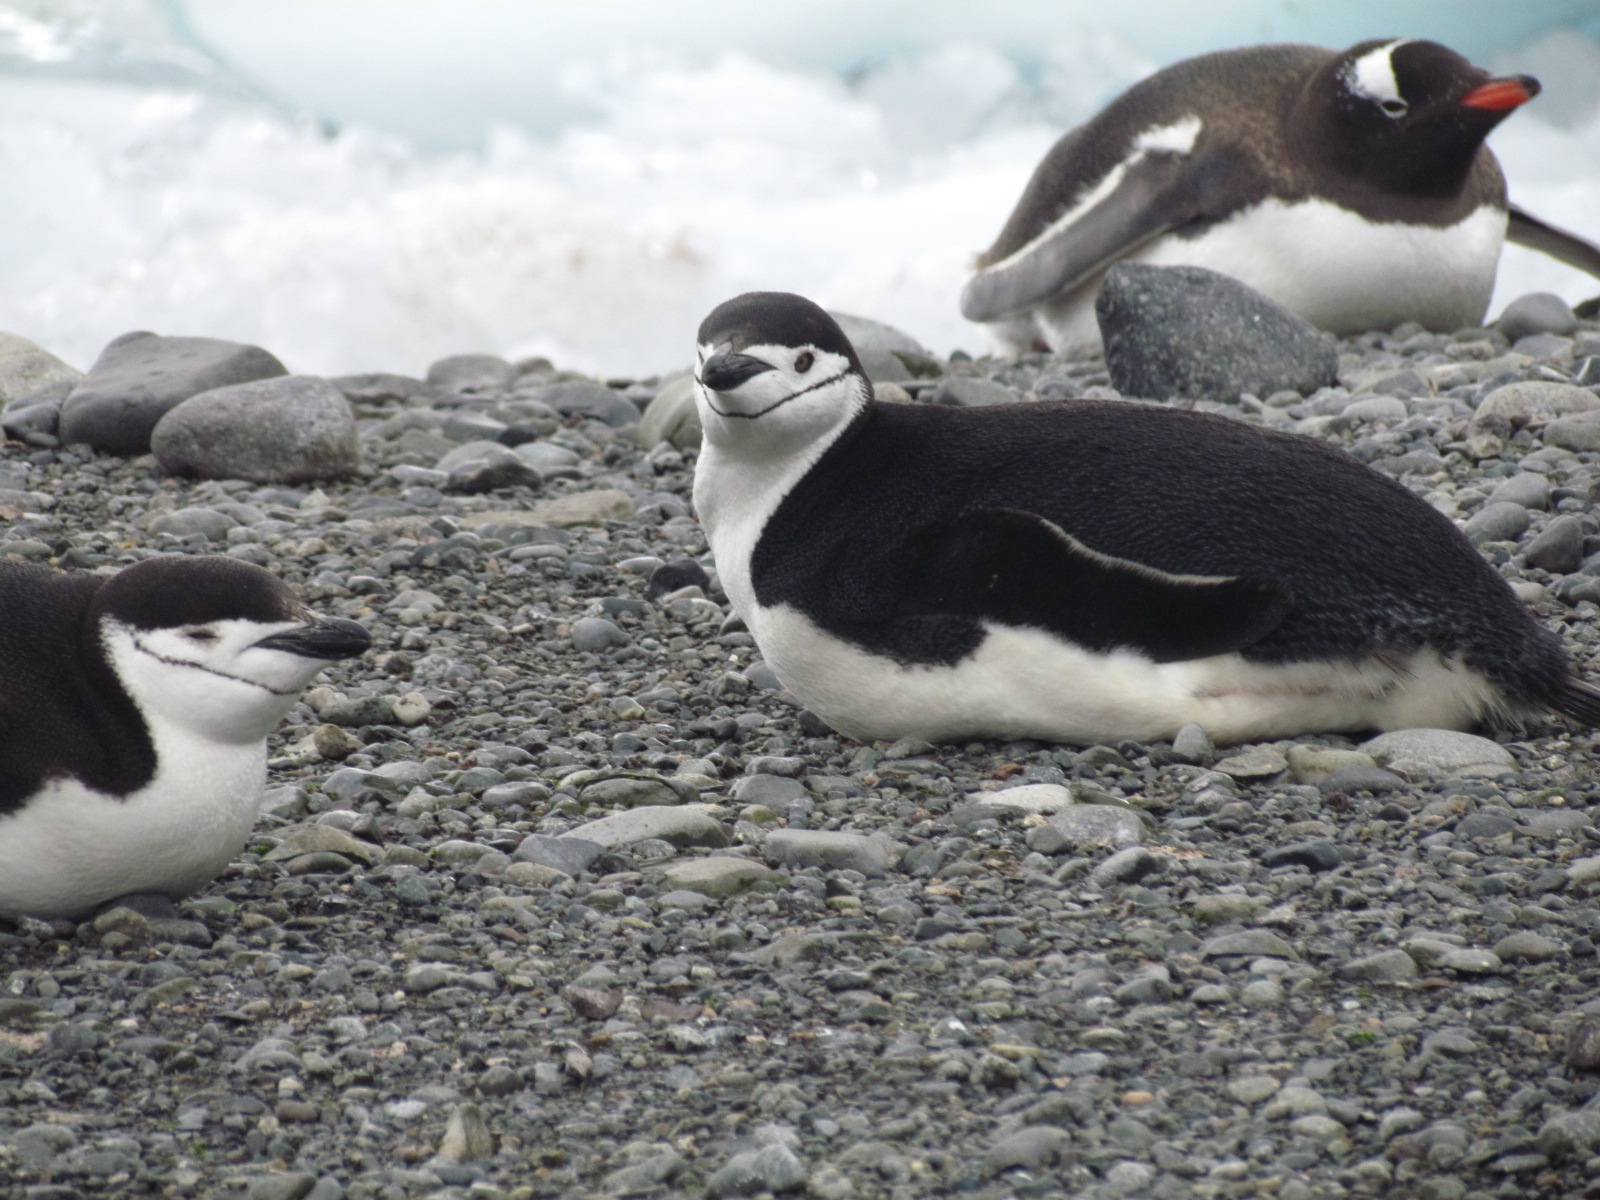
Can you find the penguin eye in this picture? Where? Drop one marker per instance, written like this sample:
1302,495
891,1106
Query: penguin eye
1394,108
202,635
803,361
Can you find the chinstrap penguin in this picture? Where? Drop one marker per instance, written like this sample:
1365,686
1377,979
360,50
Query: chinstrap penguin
1083,571
1352,187
134,712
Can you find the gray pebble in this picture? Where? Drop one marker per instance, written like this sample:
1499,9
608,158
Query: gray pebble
1535,313
1033,1147
1085,826
961,391
1318,854
484,466
589,400
803,848
1386,966
571,855
1527,489
770,1168
1126,866
469,373
682,825
1435,753
1500,521
1193,745
1559,546
596,634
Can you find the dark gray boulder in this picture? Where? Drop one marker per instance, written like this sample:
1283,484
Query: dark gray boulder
589,400
483,466
140,377
291,429
1188,332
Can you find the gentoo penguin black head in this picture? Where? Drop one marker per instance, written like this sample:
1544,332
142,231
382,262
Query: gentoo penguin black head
213,643
1409,115
773,366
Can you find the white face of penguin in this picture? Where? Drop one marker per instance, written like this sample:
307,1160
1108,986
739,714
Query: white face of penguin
774,397
226,680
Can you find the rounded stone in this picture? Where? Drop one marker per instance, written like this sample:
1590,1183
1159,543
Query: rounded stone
1188,331
290,429
1559,546
672,416
597,633
1435,753
1535,313
1497,521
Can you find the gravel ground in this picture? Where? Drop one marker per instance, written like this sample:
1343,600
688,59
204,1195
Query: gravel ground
558,894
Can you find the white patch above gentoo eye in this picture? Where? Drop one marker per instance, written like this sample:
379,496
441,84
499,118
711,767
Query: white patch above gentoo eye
1372,76
1177,138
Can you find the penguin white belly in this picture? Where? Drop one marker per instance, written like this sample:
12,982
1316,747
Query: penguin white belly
1334,267
1025,683
71,849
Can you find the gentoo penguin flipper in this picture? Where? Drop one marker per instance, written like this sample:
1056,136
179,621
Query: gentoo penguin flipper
1153,192
1525,229
1017,568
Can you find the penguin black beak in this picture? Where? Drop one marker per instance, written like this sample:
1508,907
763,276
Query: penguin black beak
323,637
724,372
1502,95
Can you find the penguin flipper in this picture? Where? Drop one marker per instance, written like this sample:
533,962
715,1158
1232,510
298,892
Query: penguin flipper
1018,568
1525,229
1142,199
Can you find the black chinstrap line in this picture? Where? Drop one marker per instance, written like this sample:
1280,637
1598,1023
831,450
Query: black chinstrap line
179,662
791,396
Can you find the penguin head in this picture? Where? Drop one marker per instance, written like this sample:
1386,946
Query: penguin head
1411,115
214,645
774,369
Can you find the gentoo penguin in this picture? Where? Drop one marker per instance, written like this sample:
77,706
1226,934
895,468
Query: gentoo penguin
1083,571
1352,187
134,712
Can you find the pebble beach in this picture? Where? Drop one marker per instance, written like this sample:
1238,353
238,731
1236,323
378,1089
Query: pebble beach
558,892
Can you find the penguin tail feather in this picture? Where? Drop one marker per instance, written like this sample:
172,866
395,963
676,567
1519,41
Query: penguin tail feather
1578,700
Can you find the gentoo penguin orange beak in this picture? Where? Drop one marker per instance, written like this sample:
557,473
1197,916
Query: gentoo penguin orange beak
1502,95
724,372
321,637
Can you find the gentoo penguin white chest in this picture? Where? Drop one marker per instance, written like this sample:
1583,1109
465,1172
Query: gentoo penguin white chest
1083,571
1352,187
134,711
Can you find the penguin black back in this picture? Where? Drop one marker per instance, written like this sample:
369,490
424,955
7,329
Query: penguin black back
1373,569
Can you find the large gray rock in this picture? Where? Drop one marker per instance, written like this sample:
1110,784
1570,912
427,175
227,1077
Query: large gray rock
1535,313
830,850
290,429
866,334
483,466
1187,331
589,400
1435,753
472,373
27,370
672,416
1536,398
140,377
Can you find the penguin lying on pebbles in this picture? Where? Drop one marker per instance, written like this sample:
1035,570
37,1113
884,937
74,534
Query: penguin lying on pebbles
134,712
1083,571
1352,187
